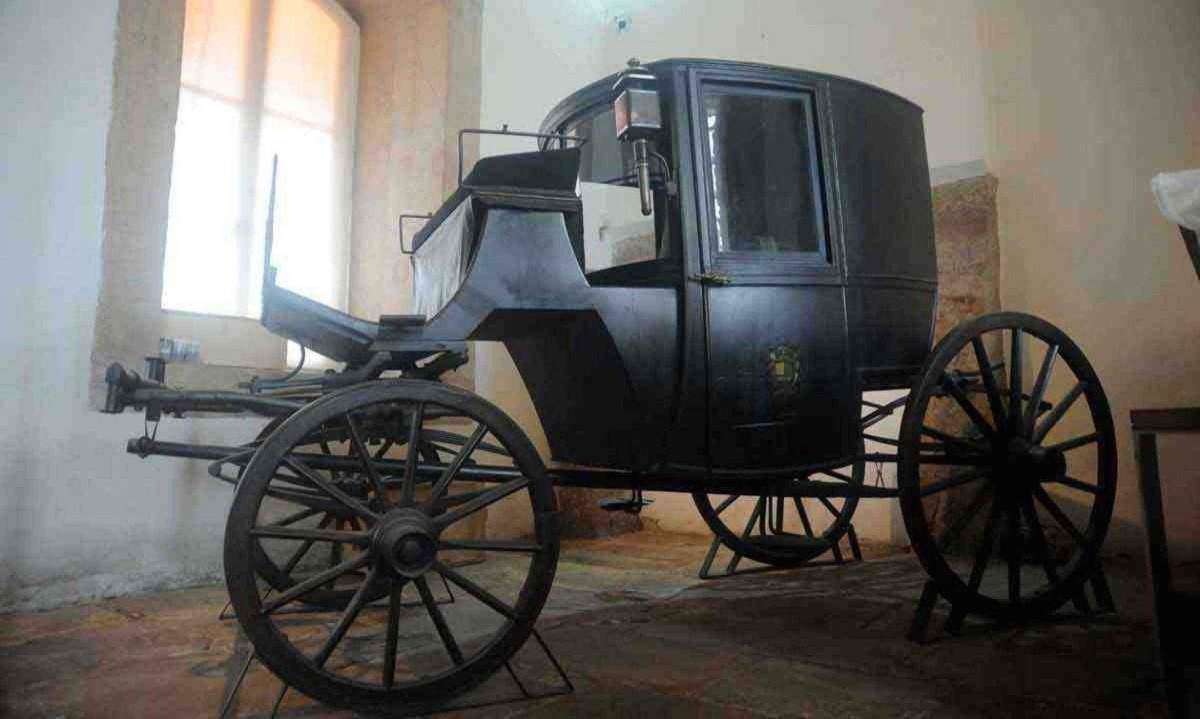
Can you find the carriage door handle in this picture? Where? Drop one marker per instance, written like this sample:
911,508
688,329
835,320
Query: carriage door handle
711,278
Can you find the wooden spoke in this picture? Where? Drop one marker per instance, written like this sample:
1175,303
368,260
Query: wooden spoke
325,449
331,489
970,409
728,501
391,634
457,439
336,556
1057,413
956,460
296,517
950,439
491,496
1076,484
315,581
303,548
955,481
384,448
357,602
1059,516
961,522
758,510
837,475
364,456
439,488
1076,443
475,590
989,380
414,448
1039,389
829,507
1040,546
300,482
1014,555
491,545
1015,382
455,500
317,535
803,516
984,553
306,499
439,621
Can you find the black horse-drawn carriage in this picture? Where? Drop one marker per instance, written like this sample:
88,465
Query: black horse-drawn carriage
782,264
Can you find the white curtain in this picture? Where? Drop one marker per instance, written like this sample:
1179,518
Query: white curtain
261,78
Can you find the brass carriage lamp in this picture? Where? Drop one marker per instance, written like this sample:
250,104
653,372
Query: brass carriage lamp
638,118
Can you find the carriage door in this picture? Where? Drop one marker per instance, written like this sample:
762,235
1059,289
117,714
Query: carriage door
779,384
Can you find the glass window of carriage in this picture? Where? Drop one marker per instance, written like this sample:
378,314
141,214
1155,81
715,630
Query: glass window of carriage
762,166
616,233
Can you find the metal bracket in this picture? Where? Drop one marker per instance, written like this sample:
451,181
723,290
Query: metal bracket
634,504
400,224
711,278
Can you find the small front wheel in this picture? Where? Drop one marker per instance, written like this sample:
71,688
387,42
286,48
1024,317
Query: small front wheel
781,528
410,521
1008,420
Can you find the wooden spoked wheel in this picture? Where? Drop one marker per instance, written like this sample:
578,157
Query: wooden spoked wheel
1025,448
405,528
382,439
779,528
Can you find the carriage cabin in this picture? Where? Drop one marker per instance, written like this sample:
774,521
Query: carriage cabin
700,270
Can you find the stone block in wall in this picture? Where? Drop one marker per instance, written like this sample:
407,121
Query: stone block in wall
968,255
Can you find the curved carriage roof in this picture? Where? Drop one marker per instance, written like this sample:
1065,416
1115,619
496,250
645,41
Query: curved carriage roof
600,90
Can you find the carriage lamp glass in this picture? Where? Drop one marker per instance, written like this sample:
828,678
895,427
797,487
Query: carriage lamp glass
638,118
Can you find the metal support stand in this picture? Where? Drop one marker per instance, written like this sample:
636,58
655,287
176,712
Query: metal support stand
919,630
564,687
732,570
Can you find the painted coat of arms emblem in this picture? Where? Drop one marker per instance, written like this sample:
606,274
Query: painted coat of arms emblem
784,371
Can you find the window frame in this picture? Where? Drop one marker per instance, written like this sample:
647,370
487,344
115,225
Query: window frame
795,266
257,114
130,318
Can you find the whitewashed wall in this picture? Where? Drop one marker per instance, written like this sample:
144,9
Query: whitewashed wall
78,516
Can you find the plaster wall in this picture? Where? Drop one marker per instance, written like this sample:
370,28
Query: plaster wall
78,516
1088,100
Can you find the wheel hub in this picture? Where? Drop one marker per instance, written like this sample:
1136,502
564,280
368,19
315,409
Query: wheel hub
1029,464
406,540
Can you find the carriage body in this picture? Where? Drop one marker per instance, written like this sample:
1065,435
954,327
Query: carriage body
788,266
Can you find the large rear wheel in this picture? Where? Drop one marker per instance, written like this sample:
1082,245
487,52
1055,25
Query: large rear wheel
1007,467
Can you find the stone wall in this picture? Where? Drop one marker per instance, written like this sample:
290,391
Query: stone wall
968,250
968,253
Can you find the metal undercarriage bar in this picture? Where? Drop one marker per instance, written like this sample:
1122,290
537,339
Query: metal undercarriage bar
573,477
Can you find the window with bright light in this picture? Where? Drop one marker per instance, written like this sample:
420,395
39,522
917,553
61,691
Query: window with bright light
261,79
